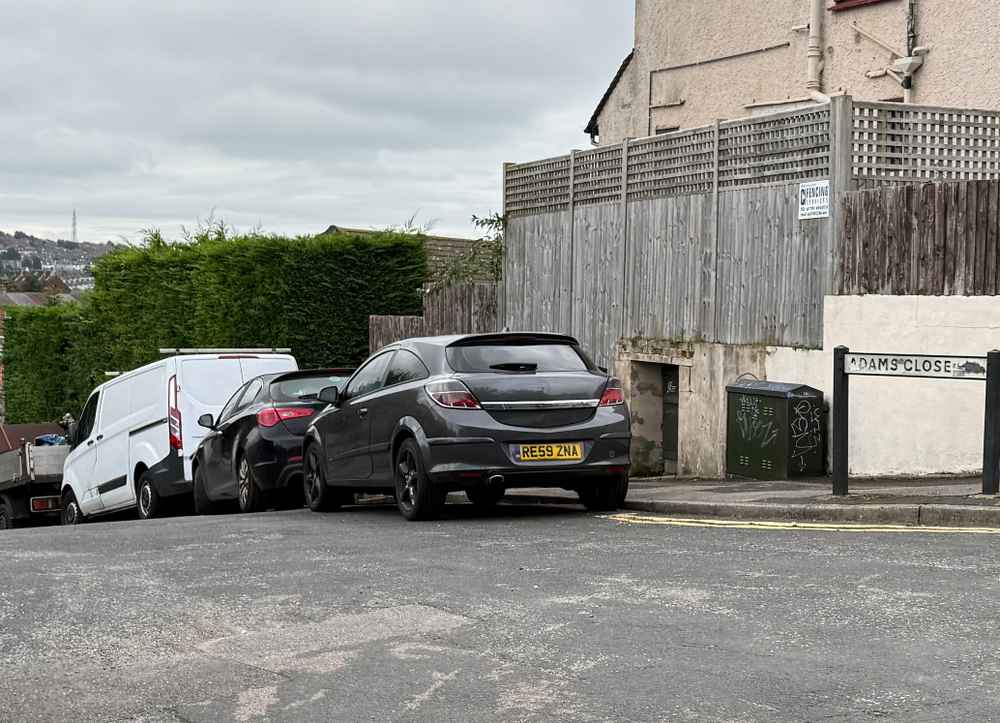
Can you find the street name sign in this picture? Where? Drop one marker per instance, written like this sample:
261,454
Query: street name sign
980,368
916,365
814,200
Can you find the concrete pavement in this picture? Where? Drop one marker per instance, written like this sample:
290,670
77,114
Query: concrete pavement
533,613
932,502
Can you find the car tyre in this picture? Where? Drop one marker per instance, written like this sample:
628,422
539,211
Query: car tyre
203,505
148,500
622,491
416,496
605,496
291,497
7,521
319,497
71,514
250,498
485,498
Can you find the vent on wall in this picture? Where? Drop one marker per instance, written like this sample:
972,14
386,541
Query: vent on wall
848,4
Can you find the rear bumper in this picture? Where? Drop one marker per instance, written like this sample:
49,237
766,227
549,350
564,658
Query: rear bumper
471,461
167,476
276,459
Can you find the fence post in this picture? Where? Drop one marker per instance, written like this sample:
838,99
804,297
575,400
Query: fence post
625,273
572,241
716,306
841,417
991,436
841,182
501,291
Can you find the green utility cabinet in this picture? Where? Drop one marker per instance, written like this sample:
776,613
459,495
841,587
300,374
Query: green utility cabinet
775,430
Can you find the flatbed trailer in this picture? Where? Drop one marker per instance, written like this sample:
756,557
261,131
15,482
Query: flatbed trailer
30,484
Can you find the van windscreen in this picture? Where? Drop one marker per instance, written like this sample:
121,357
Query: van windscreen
535,357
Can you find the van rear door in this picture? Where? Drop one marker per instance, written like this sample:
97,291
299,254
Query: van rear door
206,383
254,366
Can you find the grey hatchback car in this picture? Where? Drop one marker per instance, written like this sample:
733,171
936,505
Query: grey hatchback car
478,413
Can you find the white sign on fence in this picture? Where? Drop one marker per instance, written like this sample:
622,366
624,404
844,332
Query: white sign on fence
916,365
814,200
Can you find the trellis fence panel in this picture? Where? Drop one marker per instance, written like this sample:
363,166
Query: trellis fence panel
695,234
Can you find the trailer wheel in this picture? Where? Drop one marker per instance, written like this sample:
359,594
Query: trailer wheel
7,521
71,514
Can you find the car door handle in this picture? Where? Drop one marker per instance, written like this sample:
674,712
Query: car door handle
100,437
363,412
90,443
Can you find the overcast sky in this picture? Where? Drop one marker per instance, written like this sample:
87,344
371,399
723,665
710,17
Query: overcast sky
290,115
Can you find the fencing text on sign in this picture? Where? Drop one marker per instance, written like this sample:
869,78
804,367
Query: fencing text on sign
814,200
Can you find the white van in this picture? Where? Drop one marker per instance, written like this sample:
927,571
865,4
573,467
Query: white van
137,433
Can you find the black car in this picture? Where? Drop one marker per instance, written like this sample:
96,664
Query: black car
254,452
479,413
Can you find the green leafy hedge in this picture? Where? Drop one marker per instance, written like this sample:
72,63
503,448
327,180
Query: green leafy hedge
312,294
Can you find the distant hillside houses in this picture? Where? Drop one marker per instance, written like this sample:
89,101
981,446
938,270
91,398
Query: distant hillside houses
68,261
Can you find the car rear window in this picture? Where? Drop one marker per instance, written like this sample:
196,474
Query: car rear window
516,358
291,390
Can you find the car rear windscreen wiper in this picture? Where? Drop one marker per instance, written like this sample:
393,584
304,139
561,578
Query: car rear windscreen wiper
515,367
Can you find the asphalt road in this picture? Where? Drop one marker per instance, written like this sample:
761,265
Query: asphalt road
534,613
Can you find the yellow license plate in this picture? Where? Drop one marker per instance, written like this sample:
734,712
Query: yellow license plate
558,452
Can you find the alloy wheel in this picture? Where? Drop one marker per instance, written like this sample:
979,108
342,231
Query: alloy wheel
409,477
313,482
244,482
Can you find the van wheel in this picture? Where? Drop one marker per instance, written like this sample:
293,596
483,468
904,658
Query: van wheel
319,497
416,496
71,514
485,498
149,503
202,504
247,491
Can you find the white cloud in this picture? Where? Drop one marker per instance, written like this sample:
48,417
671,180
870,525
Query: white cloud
293,115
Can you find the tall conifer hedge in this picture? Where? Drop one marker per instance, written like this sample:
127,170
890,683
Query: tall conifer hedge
312,294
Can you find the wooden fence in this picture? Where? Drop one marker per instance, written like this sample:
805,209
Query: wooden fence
385,330
933,238
455,309
696,234
690,235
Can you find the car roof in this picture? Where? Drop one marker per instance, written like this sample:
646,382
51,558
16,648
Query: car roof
499,337
307,373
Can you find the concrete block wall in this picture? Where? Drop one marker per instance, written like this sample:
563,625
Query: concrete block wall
904,426
899,427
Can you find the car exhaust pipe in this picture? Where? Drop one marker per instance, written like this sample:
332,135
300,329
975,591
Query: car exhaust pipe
496,480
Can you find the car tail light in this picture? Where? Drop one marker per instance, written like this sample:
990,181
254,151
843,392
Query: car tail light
612,396
174,414
272,415
452,394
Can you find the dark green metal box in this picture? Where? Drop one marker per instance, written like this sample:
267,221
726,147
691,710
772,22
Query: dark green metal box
775,430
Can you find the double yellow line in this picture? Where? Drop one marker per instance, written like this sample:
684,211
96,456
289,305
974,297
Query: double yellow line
630,518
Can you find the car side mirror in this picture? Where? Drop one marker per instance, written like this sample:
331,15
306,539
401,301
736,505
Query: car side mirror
330,395
207,421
